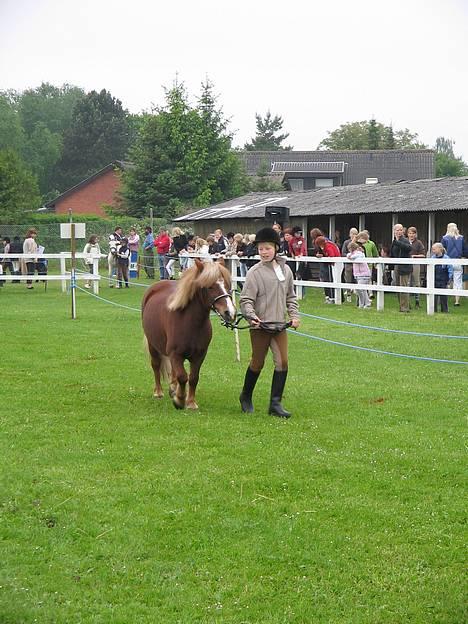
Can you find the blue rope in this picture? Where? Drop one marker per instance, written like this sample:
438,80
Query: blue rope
382,329
402,355
119,305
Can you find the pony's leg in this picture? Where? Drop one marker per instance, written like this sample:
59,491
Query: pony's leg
156,366
180,373
194,376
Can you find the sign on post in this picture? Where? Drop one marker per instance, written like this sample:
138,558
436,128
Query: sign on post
80,230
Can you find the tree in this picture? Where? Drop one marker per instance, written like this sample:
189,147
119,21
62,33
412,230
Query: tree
447,164
181,157
18,187
99,133
11,132
262,181
373,135
369,135
266,138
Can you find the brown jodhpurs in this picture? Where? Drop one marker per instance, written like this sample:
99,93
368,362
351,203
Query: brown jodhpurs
261,342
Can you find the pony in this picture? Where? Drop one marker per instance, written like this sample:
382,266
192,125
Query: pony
177,327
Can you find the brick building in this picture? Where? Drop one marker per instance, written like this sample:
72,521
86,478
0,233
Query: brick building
92,194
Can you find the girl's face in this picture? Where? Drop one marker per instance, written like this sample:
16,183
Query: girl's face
266,251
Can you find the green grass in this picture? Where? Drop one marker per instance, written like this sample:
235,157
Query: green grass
117,508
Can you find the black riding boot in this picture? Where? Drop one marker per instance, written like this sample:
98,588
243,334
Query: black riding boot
277,387
245,397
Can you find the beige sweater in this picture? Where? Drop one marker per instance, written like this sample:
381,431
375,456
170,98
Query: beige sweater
265,296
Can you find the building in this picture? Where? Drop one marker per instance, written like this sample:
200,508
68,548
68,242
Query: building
92,194
300,171
427,204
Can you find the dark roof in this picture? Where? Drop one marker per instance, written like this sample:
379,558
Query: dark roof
403,196
386,165
308,167
116,164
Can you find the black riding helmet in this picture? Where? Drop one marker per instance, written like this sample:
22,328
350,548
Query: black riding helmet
268,235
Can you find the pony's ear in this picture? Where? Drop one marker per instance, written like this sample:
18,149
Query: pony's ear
199,265
220,261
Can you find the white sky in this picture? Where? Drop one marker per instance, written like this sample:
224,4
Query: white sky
318,64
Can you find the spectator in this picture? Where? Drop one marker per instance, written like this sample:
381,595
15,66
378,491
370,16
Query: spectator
212,245
238,249
250,251
148,252
455,247
114,242
298,248
134,246
7,263
348,268
268,295
179,243
221,243
16,248
401,248
361,272
417,251
371,251
443,273
329,250
162,242
285,250
123,260
91,247
30,247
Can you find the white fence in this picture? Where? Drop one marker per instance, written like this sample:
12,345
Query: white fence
380,288
64,276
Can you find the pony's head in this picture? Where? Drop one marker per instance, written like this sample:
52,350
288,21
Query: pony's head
212,281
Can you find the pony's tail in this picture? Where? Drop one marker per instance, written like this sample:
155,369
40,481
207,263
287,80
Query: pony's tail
166,368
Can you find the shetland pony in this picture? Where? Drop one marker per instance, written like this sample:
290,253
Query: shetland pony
177,327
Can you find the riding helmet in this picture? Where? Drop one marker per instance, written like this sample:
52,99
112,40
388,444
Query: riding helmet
267,235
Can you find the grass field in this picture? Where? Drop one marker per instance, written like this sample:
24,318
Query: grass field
116,508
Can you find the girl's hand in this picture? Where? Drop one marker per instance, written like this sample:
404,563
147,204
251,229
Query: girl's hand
295,323
255,321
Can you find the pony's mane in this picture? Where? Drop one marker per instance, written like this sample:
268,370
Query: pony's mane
194,279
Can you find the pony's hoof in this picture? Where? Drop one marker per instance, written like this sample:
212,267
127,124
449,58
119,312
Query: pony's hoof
158,395
192,405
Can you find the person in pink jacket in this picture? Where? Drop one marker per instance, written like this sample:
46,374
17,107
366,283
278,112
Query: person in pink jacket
361,271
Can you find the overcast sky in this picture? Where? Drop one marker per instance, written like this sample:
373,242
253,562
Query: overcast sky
317,64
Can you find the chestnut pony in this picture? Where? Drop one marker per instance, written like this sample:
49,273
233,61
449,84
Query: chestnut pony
177,327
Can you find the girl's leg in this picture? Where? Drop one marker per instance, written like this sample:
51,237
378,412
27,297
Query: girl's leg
125,274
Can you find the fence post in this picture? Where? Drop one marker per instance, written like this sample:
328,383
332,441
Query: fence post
96,272
430,272
337,271
380,293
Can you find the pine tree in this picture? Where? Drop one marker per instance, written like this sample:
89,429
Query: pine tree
373,135
266,138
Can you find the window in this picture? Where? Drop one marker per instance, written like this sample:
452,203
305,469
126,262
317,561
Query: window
296,184
323,182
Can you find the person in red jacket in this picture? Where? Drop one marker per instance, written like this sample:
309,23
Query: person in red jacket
298,248
327,249
162,242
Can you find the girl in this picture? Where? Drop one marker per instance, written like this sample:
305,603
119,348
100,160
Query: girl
454,244
91,247
361,272
123,259
267,297
443,273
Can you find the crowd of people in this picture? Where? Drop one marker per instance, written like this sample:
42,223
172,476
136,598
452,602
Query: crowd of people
171,249
23,266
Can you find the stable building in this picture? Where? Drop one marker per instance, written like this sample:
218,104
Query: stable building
426,204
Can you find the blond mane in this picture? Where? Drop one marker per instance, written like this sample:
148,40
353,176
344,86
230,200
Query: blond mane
199,276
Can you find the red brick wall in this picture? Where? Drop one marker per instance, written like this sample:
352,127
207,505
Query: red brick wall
90,198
